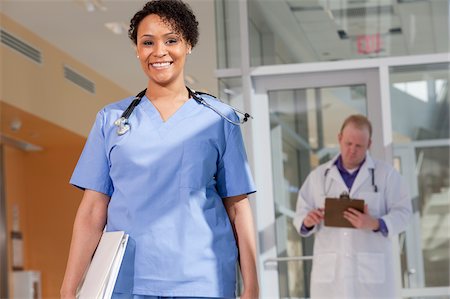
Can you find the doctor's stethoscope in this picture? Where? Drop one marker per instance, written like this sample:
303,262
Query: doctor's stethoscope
372,174
123,126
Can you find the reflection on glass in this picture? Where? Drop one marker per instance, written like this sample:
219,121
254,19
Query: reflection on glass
304,127
227,34
288,31
423,147
230,91
434,205
421,91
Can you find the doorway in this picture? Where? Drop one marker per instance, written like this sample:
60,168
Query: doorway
298,117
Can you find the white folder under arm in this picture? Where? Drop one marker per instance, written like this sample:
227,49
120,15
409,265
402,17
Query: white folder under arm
102,273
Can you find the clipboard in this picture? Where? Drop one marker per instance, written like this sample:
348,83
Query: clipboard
335,207
101,275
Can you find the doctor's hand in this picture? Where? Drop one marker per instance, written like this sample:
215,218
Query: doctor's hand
361,220
313,217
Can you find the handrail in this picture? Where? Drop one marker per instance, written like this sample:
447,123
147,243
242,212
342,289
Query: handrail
287,259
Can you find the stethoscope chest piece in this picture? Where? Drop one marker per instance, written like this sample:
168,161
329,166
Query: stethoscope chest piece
122,125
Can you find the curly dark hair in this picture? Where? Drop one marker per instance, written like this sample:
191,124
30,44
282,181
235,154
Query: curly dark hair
175,13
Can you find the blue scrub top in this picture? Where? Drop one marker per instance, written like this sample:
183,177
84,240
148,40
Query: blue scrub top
166,181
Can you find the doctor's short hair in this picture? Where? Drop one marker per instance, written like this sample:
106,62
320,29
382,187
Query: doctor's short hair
175,13
359,121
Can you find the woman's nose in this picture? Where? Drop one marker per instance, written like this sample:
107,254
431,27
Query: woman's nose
160,50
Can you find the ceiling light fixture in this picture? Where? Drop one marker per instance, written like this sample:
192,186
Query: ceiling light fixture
116,27
94,5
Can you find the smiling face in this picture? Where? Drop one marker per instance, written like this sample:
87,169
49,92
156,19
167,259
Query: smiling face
161,51
354,142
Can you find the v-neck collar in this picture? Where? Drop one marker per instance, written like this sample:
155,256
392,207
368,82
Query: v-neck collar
163,127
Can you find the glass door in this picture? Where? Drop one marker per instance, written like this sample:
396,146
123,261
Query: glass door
422,155
304,125
304,113
298,118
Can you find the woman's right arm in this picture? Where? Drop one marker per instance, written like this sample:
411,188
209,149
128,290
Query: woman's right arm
87,231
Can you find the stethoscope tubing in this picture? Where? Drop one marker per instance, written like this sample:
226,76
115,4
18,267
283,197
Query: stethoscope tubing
123,126
203,102
325,190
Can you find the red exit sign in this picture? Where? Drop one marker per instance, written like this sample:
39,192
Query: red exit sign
368,44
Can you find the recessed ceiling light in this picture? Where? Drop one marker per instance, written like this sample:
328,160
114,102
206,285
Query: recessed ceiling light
92,5
116,27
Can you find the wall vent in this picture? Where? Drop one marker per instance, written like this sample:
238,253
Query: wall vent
79,79
20,46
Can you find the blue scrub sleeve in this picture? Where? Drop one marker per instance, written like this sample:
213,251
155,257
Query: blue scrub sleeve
233,173
92,169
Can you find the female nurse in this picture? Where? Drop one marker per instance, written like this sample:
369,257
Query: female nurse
177,181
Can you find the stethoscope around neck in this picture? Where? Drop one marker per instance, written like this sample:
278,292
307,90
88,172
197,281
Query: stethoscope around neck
124,126
372,173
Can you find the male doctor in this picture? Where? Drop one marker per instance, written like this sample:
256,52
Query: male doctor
354,262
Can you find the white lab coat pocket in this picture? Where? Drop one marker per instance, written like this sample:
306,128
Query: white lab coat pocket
324,270
371,267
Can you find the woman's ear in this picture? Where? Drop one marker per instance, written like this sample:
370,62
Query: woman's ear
189,48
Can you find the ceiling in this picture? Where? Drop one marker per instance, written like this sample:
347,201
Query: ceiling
327,30
303,30
77,27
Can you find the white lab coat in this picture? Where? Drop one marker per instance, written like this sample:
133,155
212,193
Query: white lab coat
355,263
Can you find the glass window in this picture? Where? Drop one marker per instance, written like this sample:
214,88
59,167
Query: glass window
422,147
230,91
295,31
421,91
227,34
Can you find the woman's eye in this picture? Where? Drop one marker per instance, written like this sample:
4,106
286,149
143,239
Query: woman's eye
172,41
147,43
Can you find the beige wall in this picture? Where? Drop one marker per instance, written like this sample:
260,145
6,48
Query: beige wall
56,115
37,183
42,89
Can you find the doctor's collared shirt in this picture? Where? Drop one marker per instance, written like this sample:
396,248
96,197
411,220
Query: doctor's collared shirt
348,176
